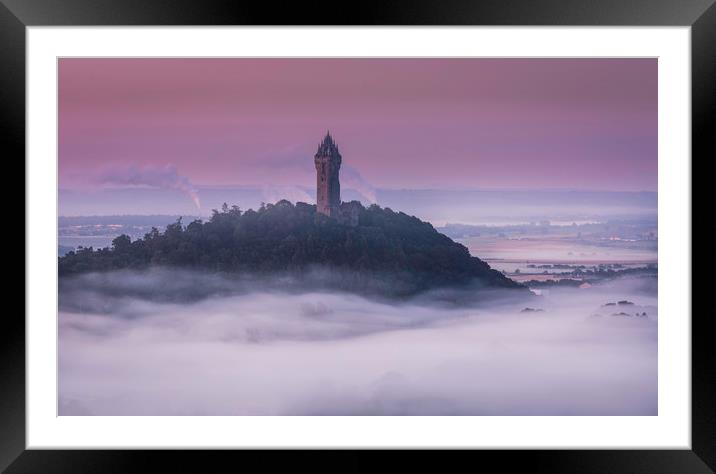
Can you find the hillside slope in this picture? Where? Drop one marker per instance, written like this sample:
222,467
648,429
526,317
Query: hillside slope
389,252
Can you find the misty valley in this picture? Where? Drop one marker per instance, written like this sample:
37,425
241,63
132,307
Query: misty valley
157,339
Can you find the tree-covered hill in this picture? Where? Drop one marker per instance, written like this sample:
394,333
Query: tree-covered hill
386,249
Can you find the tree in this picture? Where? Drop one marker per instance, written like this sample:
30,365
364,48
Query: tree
121,243
387,249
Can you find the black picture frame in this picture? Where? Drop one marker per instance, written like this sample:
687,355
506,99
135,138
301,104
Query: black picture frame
700,15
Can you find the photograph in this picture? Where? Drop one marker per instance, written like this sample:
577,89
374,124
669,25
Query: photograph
375,236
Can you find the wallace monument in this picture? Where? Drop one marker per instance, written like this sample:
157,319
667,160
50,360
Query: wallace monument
328,186
371,250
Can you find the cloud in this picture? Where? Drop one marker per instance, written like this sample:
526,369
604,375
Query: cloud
163,177
136,344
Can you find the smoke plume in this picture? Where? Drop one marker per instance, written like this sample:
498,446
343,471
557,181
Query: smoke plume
274,194
352,179
163,177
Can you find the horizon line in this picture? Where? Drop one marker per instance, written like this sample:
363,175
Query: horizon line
377,188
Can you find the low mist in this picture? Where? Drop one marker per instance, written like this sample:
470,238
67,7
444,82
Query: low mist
181,343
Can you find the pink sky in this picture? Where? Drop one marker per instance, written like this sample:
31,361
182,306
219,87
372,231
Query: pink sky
401,123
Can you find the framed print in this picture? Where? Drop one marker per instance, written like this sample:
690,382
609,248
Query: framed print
463,227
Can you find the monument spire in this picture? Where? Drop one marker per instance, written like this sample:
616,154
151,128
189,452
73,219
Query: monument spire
328,186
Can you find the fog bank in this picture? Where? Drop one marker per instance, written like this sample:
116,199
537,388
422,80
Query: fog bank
123,351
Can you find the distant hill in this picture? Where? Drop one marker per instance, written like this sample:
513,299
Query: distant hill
387,252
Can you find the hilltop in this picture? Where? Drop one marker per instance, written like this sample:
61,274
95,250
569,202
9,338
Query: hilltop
386,252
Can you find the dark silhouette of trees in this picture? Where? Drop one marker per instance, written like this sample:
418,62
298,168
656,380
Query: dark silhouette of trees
284,237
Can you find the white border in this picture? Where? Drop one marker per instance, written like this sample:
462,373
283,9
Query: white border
670,429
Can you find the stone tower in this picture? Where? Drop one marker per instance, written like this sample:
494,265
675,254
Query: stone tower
328,186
